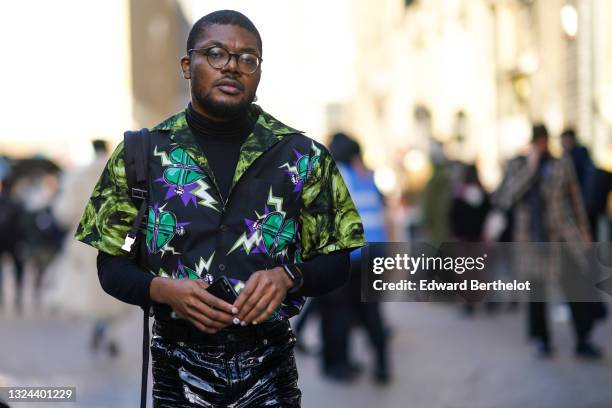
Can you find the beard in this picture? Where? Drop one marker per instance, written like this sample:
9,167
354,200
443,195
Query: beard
223,109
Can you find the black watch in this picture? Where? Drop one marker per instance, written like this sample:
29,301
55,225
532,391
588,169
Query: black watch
295,275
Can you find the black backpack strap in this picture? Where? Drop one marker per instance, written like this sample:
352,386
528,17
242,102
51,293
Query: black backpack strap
136,157
145,359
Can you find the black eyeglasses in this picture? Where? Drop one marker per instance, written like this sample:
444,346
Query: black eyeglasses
218,57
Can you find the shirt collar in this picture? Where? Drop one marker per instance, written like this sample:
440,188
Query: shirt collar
266,132
266,124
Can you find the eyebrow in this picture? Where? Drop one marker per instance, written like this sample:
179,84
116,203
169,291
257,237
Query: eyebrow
212,43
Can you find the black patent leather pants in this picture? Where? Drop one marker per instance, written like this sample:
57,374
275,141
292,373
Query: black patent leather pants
238,367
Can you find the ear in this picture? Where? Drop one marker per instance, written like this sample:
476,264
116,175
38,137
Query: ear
186,66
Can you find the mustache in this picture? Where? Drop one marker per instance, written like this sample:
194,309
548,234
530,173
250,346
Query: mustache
229,81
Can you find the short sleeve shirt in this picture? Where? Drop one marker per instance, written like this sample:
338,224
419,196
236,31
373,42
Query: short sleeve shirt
288,203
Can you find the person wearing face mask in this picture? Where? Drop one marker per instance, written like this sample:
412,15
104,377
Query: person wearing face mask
468,211
469,207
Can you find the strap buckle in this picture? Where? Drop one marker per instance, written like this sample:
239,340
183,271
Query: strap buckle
138,193
128,242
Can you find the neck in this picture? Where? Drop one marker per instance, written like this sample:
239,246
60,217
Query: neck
204,126
196,107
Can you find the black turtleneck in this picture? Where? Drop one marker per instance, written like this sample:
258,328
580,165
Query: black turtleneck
220,142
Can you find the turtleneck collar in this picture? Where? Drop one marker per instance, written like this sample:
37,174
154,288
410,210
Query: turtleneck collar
208,129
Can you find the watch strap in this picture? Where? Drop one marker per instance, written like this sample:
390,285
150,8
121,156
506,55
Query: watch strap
295,275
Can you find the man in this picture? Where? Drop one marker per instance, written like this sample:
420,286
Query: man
71,285
580,158
234,193
346,301
547,207
11,213
436,198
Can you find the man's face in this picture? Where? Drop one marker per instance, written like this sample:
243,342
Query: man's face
222,93
541,145
567,143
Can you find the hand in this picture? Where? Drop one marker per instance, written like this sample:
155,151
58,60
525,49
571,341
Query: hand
190,300
263,293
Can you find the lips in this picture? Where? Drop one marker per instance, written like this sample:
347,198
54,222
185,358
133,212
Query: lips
229,86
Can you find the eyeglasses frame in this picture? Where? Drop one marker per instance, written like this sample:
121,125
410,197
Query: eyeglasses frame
231,55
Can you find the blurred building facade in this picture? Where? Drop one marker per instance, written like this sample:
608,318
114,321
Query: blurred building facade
475,74
397,73
158,31
112,66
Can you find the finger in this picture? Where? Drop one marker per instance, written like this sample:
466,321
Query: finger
198,322
213,301
201,326
202,283
271,308
248,289
208,315
195,311
266,313
180,315
251,301
259,308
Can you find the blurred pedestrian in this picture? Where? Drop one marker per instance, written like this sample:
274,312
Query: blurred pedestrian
338,306
583,165
548,207
597,205
591,180
71,285
436,199
34,185
11,240
591,185
469,209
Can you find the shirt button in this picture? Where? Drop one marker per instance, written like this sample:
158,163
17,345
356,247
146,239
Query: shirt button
221,267
223,227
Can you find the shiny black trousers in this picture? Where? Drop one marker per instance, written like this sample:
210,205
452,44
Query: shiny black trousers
237,367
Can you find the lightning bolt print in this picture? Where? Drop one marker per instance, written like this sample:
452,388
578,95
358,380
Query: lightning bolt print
277,202
248,243
168,248
203,265
292,169
165,160
206,200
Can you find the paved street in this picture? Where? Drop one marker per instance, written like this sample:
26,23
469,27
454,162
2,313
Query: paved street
440,359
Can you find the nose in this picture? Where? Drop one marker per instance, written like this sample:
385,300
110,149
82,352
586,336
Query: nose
232,64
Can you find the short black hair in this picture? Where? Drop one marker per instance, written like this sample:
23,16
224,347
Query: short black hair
570,133
99,145
538,132
344,148
222,17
